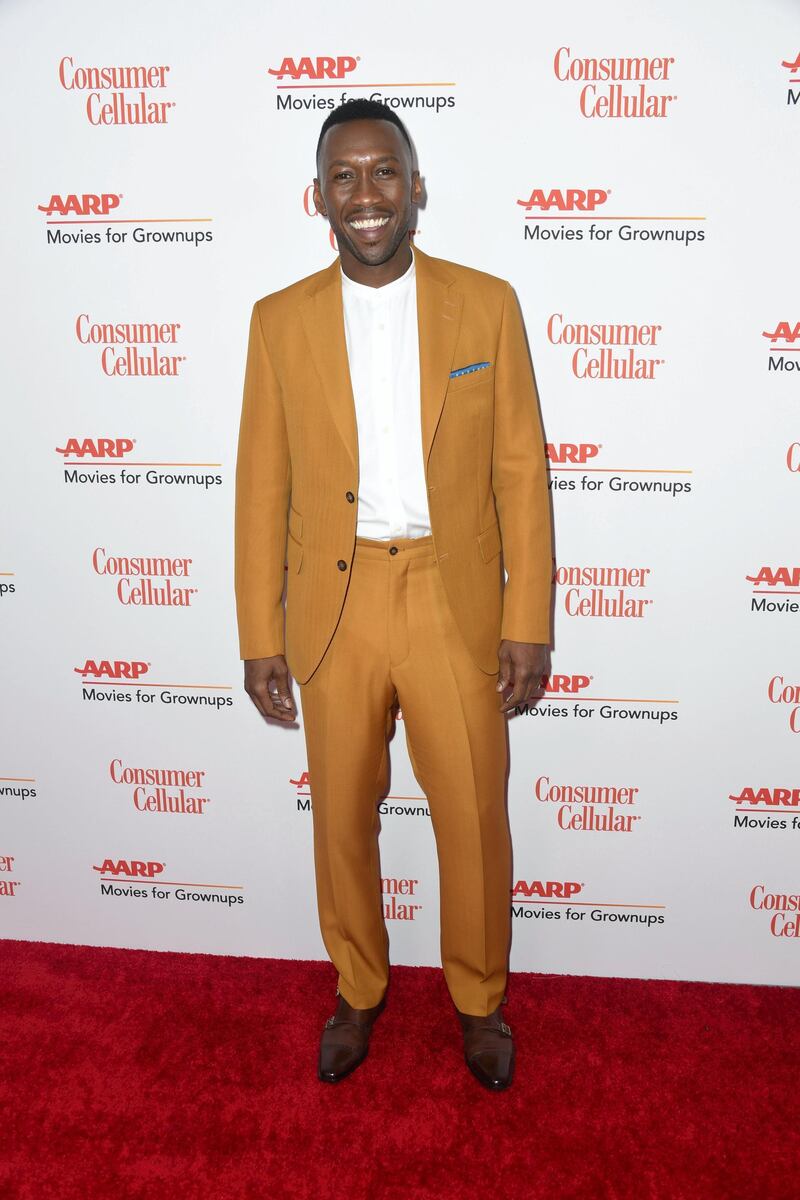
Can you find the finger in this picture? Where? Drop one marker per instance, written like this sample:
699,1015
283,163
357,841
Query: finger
532,687
277,708
520,688
506,676
265,703
279,686
282,702
257,702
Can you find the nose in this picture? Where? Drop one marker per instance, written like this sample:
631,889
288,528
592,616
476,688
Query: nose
365,191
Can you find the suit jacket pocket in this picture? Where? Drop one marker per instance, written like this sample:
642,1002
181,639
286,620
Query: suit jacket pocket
295,524
294,555
463,383
490,542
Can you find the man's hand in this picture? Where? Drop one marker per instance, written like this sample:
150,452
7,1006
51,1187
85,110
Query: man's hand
266,681
523,666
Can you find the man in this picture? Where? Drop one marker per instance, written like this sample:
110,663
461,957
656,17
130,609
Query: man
390,448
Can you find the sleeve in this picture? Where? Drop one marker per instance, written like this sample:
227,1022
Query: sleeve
519,482
263,487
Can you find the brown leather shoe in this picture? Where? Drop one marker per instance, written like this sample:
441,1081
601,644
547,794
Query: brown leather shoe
488,1049
345,1040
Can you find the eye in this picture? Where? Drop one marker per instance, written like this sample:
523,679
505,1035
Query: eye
342,175
386,170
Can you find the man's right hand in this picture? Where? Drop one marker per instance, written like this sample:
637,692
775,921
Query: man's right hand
266,681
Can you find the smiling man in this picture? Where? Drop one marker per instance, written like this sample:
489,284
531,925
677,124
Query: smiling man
391,458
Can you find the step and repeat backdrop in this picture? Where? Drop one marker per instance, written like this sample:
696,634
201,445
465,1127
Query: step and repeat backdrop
632,170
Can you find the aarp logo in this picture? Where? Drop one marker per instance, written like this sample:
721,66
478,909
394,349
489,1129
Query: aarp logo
316,69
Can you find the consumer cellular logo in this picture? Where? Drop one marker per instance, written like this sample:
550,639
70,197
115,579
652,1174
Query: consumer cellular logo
589,808
783,909
600,591
132,348
162,789
146,581
399,899
787,696
8,887
124,95
618,87
607,351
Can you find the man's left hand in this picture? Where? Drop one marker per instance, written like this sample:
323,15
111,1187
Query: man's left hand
523,667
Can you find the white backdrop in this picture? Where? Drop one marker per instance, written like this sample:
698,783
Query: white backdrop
673,431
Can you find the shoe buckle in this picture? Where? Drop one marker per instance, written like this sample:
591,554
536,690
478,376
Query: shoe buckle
330,1022
505,1029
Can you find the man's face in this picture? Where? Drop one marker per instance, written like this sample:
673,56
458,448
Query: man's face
366,188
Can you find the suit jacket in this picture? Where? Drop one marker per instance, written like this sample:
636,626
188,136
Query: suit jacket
297,469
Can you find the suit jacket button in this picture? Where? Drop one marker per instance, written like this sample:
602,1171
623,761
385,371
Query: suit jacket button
342,565
350,496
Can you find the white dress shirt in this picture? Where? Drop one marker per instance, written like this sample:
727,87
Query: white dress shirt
383,351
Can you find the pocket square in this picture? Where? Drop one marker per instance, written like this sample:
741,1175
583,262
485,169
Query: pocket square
468,370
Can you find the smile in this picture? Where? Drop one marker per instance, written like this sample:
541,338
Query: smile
368,222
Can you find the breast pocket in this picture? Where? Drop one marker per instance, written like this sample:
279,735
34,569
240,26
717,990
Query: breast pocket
473,379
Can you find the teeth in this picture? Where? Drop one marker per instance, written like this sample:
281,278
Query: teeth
369,222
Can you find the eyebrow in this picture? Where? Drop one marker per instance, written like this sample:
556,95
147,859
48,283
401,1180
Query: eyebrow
343,162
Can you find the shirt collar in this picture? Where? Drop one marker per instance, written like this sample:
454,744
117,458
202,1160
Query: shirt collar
387,290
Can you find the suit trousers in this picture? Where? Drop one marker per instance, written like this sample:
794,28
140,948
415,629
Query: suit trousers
396,641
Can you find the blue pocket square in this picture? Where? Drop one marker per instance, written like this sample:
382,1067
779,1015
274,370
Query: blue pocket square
468,370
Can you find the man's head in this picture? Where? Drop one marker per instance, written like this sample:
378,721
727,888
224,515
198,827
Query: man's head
366,184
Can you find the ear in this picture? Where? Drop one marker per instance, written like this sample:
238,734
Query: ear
416,186
319,203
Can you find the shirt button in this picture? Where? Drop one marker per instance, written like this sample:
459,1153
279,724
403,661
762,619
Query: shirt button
342,565
393,549
349,496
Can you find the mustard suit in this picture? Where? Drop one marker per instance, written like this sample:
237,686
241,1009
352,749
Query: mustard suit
415,621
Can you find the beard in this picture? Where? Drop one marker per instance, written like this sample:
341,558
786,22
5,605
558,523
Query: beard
374,256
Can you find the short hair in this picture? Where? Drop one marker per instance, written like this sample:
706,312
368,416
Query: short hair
362,110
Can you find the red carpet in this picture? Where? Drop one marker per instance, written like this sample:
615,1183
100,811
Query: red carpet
142,1076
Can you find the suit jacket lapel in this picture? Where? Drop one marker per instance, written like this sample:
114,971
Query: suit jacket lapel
323,320
439,306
